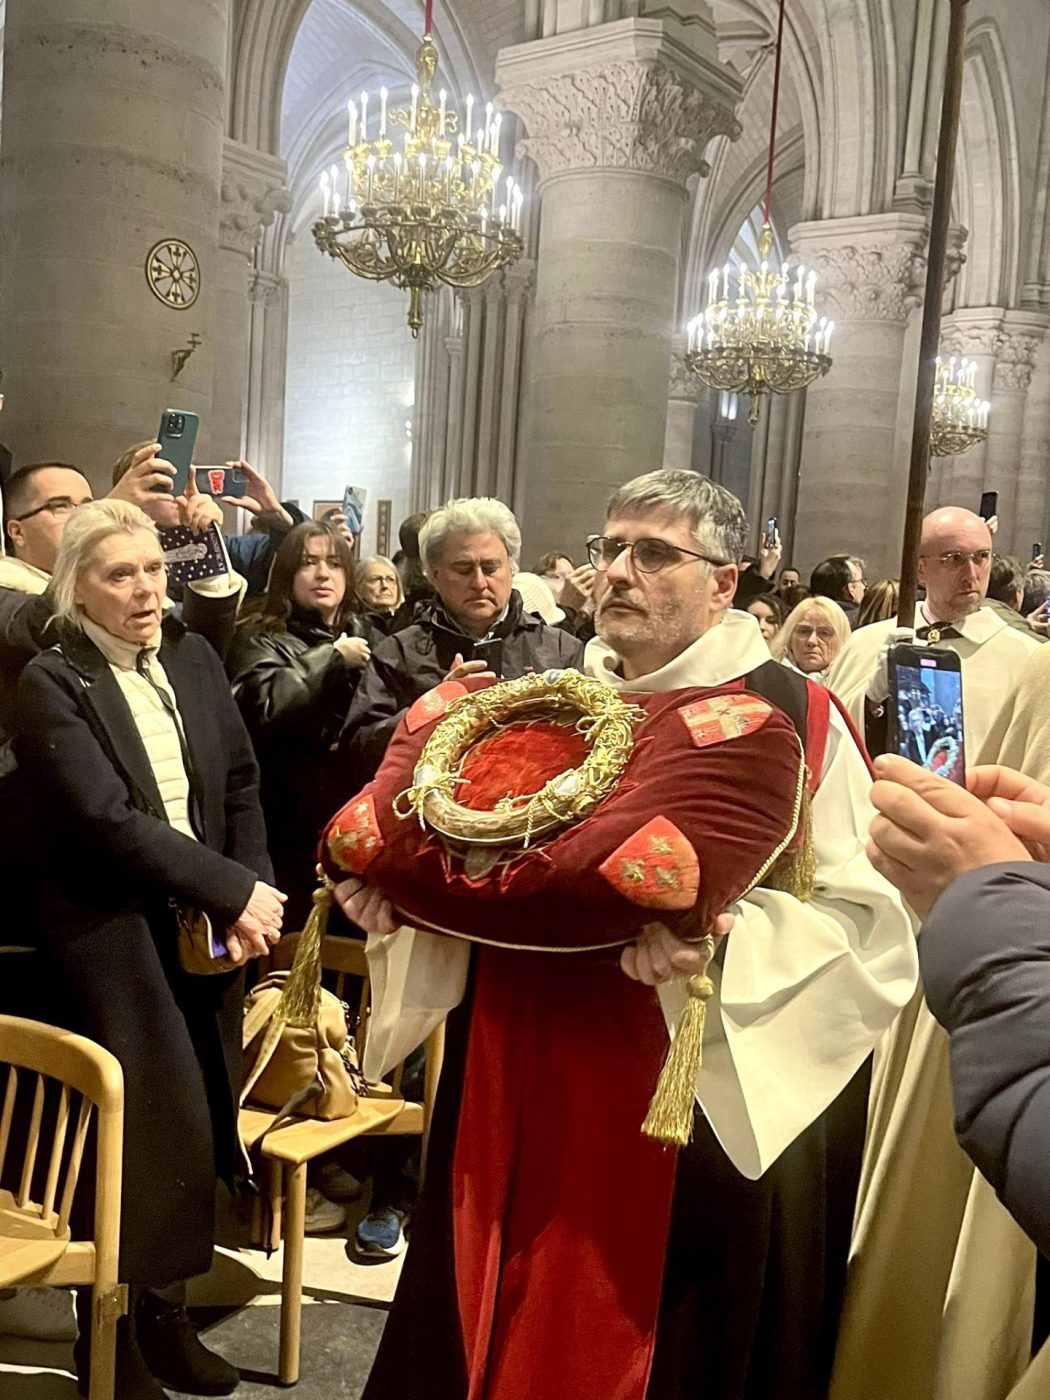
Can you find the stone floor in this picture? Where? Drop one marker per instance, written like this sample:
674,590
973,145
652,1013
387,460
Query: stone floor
345,1305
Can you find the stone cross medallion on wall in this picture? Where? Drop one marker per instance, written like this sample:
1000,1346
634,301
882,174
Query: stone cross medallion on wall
173,273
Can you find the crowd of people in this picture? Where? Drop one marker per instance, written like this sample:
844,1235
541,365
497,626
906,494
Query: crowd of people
170,755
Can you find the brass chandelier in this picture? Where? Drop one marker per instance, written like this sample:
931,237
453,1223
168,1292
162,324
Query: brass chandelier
767,338
960,417
431,208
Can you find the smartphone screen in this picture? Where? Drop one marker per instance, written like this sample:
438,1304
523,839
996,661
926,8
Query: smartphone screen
928,711
772,536
989,504
1037,549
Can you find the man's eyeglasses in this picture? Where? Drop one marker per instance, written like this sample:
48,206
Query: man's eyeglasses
648,556
959,558
61,508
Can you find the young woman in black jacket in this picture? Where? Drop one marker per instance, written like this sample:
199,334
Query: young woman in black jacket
294,670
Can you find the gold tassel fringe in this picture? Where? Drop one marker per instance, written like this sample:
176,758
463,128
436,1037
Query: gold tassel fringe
797,873
670,1116
300,1002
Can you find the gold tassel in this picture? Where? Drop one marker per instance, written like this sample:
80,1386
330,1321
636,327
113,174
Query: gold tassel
300,1002
670,1116
796,874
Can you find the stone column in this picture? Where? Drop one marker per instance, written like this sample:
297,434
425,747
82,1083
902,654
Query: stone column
851,492
113,123
683,397
618,117
253,191
970,334
1035,445
267,374
1022,498
519,282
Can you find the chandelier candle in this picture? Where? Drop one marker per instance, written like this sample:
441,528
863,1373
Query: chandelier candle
960,418
427,200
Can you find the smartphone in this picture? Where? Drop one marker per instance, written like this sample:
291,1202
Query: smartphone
492,655
1037,549
177,437
989,504
926,709
772,533
222,481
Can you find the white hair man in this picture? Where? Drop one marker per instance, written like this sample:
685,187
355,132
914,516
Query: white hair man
745,1293
476,625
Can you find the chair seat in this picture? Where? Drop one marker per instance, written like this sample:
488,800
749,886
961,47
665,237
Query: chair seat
21,1259
303,1139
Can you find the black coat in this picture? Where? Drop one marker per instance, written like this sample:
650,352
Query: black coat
985,956
413,661
110,866
294,690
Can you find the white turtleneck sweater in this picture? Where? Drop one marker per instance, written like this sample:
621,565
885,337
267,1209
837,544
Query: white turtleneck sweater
155,724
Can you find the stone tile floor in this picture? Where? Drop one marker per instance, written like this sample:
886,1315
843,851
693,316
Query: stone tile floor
345,1305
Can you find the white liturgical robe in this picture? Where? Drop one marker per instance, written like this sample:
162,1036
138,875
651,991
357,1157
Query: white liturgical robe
805,990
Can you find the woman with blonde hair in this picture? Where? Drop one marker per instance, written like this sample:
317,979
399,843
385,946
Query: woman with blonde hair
153,886
811,638
880,602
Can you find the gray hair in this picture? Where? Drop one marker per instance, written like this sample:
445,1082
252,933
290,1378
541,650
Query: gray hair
475,515
88,526
715,516
366,564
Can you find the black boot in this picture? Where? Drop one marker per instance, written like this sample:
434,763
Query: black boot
133,1378
175,1354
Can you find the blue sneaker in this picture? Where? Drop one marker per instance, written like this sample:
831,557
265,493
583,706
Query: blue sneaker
381,1234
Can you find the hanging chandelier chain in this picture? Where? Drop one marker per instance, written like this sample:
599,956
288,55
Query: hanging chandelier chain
776,109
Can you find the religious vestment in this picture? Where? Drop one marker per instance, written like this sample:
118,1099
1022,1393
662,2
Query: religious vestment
724,1279
940,1291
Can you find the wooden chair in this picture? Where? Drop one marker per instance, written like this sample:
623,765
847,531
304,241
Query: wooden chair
36,1244
287,1152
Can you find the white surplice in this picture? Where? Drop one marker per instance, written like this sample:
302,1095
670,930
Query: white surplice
805,990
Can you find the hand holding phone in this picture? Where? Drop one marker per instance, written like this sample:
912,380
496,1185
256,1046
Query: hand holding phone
177,438
989,505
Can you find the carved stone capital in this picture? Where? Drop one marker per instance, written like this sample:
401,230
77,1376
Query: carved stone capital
253,191
623,97
266,288
870,269
1013,370
967,335
518,280
684,385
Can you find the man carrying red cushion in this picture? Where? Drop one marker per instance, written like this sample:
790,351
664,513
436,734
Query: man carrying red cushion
747,1265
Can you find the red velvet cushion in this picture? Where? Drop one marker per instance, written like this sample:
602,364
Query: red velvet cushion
710,798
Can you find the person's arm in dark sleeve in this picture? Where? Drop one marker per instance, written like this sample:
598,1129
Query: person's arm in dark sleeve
63,759
212,616
24,619
277,693
377,708
985,956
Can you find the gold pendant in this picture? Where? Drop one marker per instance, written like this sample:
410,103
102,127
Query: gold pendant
933,636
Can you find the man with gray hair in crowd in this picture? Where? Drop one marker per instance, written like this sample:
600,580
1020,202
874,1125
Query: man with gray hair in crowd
756,1245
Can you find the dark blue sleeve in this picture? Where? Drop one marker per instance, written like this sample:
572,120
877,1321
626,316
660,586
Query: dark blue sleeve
251,556
985,955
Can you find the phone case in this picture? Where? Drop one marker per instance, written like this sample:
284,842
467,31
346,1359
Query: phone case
177,437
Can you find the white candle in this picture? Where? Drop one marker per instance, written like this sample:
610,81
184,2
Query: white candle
519,200
397,176
827,337
811,288
351,113
326,194
479,141
443,98
415,103
422,174
470,114
364,116
495,194
725,282
334,173
712,288
348,162
382,113
503,215
371,176
798,284
497,127
484,219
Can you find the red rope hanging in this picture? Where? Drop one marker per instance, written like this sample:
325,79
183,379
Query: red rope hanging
776,106
430,17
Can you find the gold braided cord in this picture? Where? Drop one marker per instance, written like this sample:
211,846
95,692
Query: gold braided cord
300,1002
594,709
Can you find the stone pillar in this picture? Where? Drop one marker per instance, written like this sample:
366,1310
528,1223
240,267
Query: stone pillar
618,117
851,492
1035,445
1022,499
683,396
519,282
253,191
970,334
267,373
768,453
113,135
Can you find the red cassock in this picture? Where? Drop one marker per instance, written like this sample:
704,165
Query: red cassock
561,1204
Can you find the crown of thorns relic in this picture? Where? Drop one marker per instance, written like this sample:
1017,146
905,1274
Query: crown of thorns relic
551,813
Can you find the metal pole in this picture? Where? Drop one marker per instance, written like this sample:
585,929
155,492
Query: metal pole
940,224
